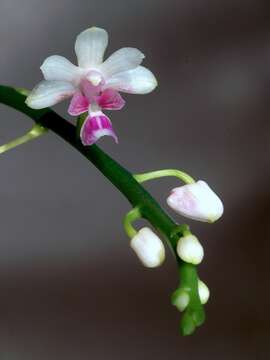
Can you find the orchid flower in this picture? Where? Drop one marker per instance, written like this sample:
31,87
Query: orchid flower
93,85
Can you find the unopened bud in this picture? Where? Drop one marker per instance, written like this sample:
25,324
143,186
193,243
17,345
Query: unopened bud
204,292
148,247
196,201
180,299
190,250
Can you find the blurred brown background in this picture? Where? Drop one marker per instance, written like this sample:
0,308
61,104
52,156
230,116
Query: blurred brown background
70,287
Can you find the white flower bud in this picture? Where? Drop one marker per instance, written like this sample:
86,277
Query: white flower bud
180,299
204,292
148,247
190,250
196,201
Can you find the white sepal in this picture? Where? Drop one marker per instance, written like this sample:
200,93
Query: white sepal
190,250
148,247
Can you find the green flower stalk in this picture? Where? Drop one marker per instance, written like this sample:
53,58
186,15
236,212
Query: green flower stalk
36,131
187,179
124,181
94,86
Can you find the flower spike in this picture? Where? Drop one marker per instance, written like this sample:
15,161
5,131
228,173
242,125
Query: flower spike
93,87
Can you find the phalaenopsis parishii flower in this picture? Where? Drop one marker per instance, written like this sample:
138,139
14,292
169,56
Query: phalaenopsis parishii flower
93,85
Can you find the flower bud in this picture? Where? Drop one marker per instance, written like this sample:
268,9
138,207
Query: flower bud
190,250
148,247
204,292
180,299
196,201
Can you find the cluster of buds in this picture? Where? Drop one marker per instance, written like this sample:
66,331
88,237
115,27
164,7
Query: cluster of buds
180,298
194,200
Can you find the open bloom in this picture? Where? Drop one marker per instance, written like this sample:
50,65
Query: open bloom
196,201
93,85
148,247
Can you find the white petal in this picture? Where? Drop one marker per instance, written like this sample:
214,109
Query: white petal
90,46
121,60
48,93
59,68
137,81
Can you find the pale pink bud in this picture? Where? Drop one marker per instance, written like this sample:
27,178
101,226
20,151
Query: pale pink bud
196,201
148,247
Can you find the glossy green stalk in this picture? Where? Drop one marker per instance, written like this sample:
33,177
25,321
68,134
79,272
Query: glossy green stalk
187,179
130,217
127,185
36,131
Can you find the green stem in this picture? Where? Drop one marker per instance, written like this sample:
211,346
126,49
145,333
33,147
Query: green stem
187,179
118,176
130,217
34,133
